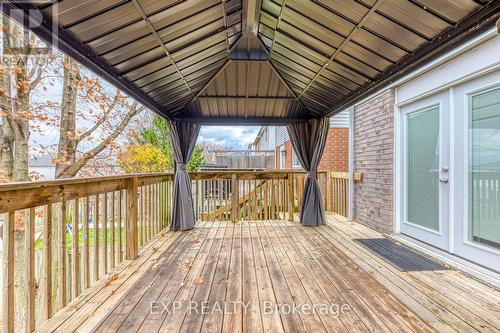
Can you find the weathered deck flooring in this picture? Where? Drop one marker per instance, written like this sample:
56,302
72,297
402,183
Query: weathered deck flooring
182,281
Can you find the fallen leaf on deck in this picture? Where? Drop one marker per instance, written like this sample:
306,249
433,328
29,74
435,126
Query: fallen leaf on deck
199,280
155,249
188,265
114,277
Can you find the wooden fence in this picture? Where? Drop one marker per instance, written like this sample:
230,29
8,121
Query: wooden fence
62,237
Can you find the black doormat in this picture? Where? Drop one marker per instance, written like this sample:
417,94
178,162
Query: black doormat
400,256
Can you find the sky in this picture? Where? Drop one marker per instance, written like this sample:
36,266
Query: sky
236,137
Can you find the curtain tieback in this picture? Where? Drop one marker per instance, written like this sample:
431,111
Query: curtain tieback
312,174
181,167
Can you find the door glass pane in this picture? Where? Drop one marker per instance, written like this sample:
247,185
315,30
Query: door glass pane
422,168
484,168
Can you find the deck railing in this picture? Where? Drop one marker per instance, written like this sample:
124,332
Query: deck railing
61,237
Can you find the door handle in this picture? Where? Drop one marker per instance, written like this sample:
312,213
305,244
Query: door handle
443,180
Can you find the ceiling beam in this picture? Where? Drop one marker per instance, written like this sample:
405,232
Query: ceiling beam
162,45
224,18
251,10
256,98
280,15
498,25
353,32
249,121
475,24
58,38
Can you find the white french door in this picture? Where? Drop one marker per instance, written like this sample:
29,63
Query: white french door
449,181
476,233
425,160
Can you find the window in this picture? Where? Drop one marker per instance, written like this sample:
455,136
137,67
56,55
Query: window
282,157
295,161
484,168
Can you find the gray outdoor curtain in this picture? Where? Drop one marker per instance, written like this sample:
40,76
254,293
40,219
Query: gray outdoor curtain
308,140
183,137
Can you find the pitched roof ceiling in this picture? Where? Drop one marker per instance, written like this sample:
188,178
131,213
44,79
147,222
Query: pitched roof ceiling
256,61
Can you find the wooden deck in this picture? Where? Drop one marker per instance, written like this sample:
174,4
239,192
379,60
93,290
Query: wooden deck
183,282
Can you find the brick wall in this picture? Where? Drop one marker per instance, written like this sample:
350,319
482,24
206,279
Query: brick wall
374,157
336,154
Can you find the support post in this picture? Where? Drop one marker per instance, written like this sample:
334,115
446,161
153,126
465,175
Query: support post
131,234
235,198
291,199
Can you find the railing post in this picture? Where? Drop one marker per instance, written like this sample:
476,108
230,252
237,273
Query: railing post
8,269
131,234
291,199
235,198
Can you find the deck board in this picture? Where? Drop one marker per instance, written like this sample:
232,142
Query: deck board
247,266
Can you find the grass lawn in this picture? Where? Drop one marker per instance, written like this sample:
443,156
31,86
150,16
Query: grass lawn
69,238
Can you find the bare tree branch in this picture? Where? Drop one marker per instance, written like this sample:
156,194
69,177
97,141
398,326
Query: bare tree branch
72,170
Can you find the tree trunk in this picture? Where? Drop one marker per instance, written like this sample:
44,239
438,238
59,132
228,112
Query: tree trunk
6,134
20,123
16,111
6,147
66,154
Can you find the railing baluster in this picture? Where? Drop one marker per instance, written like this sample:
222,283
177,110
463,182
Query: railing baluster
30,272
112,231
104,228
203,198
95,227
8,269
155,207
85,251
142,206
75,267
150,212
131,229
120,210
47,263
62,299
234,198
291,194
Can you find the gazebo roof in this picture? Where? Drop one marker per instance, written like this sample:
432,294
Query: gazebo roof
255,62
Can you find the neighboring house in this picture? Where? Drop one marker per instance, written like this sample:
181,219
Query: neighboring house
335,156
429,150
42,167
